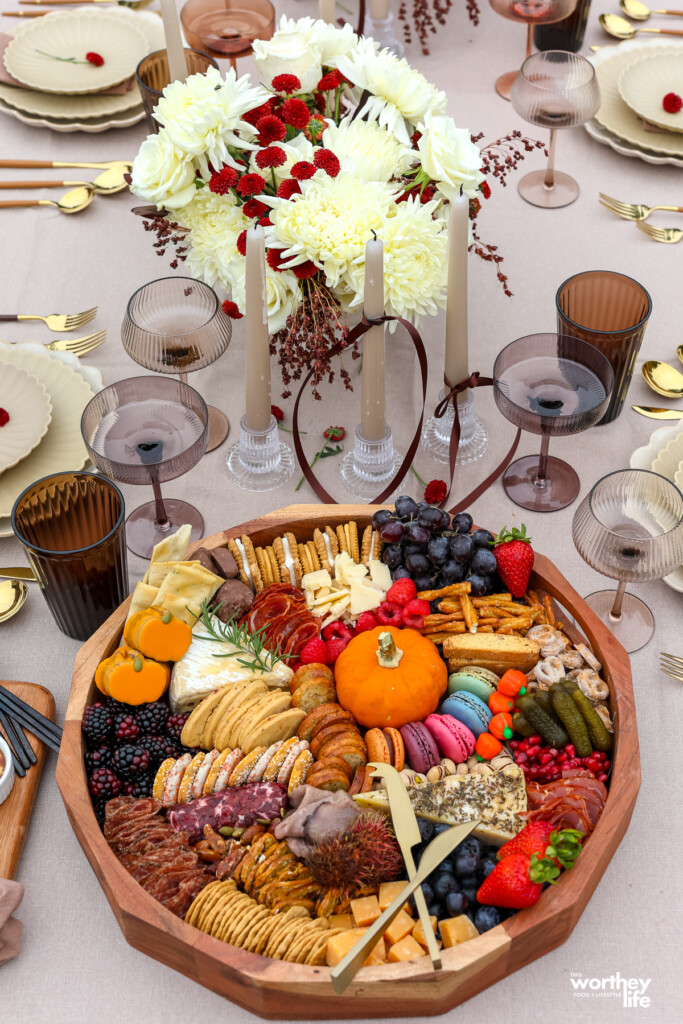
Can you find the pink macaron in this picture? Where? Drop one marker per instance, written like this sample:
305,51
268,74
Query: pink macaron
453,739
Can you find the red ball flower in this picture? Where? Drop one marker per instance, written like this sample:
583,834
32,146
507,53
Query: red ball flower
4,417
286,83
273,156
296,113
326,161
332,80
415,138
264,221
94,58
436,491
672,103
270,129
231,309
253,117
222,181
288,188
304,270
303,169
250,184
274,259
315,127
254,208
241,243
334,433
426,194
277,412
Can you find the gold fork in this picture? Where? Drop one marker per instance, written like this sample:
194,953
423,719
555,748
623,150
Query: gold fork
57,321
668,235
78,346
672,666
633,211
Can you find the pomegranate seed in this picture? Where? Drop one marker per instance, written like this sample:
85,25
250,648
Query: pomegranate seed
533,771
553,751
546,758
521,758
602,776
524,768
570,749
536,740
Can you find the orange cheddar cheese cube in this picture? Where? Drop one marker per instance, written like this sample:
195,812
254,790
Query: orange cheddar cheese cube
339,945
344,921
401,925
373,961
365,910
406,949
457,929
388,891
418,931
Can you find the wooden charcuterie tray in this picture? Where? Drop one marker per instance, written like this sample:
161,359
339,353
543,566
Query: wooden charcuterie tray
280,990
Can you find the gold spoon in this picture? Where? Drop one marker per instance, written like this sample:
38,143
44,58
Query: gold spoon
636,10
679,352
105,184
13,593
123,165
664,379
71,202
620,28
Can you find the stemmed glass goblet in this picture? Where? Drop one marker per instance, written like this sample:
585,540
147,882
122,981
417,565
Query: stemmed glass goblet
554,89
629,528
549,384
147,430
177,325
227,28
531,13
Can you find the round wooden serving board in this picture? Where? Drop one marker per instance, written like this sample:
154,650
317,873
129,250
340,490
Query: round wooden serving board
280,990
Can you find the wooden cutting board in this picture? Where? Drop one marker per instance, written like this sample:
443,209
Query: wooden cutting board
15,812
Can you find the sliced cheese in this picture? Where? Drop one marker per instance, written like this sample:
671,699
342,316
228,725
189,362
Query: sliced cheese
314,580
363,597
158,571
380,573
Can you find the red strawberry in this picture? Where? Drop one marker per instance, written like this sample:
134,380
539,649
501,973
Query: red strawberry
549,850
402,591
533,839
389,613
366,620
334,648
414,613
509,884
515,558
337,630
314,651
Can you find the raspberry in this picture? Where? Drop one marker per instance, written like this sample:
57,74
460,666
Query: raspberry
336,630
314,652
126,727
97,759
130,761
389,614
334,647
672,103
413,614
402,591
104,784
97,724
366,621
175,723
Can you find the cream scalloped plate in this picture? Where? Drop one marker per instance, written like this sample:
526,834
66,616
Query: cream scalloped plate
645,458
605,138
68,108
29,407
97,124
613,114
644,84
73,34
70,389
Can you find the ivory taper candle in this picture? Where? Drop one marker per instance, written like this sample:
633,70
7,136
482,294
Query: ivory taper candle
326,11
373,398
457,359
177,66
379,10
258,341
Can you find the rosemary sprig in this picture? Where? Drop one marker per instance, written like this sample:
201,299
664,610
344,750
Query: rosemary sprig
258,655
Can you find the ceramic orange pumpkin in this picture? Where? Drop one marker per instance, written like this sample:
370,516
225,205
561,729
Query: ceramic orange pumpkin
157,634
129,677
389,677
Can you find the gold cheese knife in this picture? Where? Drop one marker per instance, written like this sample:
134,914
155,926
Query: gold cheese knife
658,414
14,572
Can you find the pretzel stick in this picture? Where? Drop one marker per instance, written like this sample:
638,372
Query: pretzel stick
469,612
549,613
486,629
452,590
438,638
533,597
435,620
515,623
448,629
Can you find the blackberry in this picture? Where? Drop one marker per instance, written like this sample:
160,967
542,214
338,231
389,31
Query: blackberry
159,747
175,723
126,727
97,724
141,786
104,785
100,807
130,762
152,718
97,759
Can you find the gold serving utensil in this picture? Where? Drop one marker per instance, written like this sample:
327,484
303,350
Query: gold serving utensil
135,5
107,165
105,184
78,346
23,14
653,413
679,352
56,321
620,28
670,666
71,202
13,593
664,379
18,572
667,235
633,8
633,211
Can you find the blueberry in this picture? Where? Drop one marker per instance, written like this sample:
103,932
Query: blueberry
434,606
493,585
435,910
456,903
454,572
406,506
467,864
470,845
468,881
470,891
462,549
483,538
441,827
485,918
463,522
427,892
426,829
487,866
483,562
444,884
477,585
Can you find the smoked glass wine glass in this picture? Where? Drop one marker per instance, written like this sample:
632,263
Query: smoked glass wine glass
530,13
629,528
147,430
554,89
552,385
177,325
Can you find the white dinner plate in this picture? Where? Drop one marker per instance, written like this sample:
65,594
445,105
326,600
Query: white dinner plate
28,405
643,458
97,124
644,84
605,138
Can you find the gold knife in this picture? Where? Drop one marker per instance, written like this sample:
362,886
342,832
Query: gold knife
17,572
658,414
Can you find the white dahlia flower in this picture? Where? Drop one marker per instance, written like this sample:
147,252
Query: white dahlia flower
371,152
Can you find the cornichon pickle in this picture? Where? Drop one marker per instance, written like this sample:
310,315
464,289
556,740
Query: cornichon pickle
572,719
542,697
570,685
600,735
521,725
550,729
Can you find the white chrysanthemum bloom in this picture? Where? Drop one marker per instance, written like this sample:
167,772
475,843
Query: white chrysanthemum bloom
449,156
203,115
161,174
215,224
398,93
283,295
373,153
298,148
329,223
291,51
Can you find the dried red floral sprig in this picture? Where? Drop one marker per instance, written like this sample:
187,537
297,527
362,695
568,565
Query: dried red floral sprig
672,103
4,417
96,59
335,433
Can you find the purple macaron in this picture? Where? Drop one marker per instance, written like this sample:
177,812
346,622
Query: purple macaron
453,739
422,752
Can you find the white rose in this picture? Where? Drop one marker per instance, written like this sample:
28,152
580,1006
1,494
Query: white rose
289,52
283,295
449,156
162,175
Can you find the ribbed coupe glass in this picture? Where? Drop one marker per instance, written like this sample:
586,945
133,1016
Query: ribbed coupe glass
227,28
177,325
554,89
629,528
147,430
530,13
551,385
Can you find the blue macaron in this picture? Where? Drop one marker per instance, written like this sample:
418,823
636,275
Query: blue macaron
469,710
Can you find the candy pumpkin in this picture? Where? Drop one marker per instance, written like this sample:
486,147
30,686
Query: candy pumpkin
157,634
130,678
389,677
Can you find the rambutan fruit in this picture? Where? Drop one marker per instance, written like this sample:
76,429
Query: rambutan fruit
362,856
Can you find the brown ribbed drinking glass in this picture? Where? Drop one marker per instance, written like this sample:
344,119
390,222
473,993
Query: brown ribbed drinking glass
152,76
610,311
72,528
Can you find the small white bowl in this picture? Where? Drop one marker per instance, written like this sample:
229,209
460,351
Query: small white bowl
7,777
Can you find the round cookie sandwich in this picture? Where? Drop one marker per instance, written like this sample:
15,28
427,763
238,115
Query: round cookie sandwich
455,741
478,681
469,710
422,752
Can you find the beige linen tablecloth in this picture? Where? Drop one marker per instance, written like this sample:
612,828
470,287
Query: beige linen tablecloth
75,965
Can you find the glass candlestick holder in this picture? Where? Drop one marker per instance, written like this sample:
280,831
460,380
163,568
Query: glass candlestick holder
436,433
383,32
370,466
260,461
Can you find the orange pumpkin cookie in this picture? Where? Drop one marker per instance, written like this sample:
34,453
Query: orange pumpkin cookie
130,678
